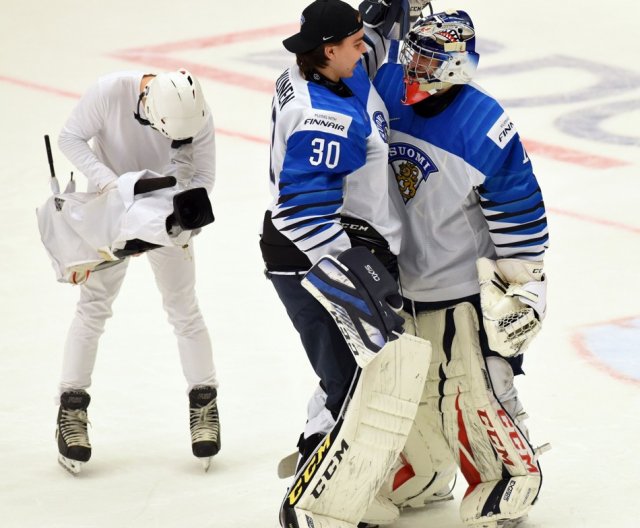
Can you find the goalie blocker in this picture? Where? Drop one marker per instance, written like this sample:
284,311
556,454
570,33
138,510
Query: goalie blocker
361,296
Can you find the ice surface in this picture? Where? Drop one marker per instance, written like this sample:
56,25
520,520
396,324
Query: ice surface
569,77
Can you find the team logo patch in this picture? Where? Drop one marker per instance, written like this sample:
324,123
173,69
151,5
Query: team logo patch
59,202
411,167
382,126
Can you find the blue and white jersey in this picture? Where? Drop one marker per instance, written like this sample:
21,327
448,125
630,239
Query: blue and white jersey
465,187
329,158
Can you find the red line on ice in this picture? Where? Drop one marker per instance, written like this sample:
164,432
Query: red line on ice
584,351
596,220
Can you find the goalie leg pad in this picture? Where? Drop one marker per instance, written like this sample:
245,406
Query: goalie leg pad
340,479
493,454
425,471
501,376
381,511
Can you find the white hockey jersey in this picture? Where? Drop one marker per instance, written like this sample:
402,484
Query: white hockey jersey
465,189
120,144
328,158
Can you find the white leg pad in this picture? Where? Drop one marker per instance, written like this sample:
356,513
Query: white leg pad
425,470
340,480
493,454
381,511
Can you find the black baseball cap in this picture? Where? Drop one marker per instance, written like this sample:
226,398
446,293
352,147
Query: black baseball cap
324,21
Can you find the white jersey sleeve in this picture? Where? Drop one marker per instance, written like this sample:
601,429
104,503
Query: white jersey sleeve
120,144
84,123
204,158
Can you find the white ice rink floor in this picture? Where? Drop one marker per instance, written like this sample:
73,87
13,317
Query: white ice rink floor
568,74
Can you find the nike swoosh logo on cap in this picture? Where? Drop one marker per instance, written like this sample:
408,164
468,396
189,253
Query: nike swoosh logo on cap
327,38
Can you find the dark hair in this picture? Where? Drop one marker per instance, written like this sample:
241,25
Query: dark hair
312,60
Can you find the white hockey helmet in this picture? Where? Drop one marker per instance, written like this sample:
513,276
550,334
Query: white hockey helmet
174,104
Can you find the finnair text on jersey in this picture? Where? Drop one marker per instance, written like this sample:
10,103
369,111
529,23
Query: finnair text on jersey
324,123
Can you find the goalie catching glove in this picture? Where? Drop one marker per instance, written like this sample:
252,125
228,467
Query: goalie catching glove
361,296
513,299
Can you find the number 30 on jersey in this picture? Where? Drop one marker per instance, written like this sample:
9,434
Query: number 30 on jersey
327,153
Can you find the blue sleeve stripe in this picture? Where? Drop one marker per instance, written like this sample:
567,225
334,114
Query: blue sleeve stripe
519,204
486,202
328,241
307,184
531,227
314,212
313,232
526,242
294,212
527,215
310,198
538,254
512,200
307,222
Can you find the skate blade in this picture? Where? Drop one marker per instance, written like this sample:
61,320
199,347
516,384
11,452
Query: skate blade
206,463
72,466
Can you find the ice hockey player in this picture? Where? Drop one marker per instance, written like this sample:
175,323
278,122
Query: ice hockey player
331,236
471,269
140,121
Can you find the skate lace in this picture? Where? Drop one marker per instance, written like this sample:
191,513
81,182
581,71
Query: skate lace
204,422
73,427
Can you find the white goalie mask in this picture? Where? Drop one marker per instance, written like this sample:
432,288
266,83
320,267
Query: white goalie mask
174,104
438,51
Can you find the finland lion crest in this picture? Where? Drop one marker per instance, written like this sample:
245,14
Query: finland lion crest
411,167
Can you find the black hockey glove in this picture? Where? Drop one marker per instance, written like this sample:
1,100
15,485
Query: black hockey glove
383,15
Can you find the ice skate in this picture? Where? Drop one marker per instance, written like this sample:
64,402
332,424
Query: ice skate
71,430
204,423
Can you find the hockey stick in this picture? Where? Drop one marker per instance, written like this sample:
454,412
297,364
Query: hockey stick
55,186
47,144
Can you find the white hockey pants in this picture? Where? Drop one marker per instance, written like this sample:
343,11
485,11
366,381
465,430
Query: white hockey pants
174,271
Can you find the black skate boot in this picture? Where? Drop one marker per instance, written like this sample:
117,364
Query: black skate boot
204,423
71,431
